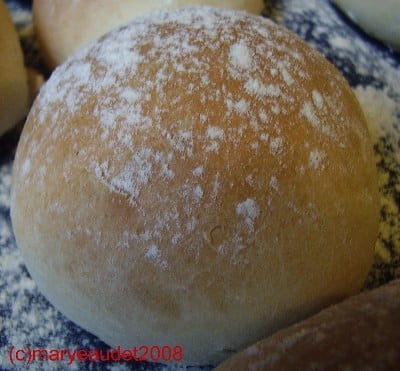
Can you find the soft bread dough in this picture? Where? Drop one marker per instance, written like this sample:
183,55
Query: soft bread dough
64,26
381,19
201,177
13,79
361,333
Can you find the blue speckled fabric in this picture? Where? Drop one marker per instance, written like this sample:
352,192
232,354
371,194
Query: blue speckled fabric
28,319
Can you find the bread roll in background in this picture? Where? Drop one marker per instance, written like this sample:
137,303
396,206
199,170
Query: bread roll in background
62,27
361,333
200,177
380,19
13,79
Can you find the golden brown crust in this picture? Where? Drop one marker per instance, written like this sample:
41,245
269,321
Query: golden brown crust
201,177
360,333
13,80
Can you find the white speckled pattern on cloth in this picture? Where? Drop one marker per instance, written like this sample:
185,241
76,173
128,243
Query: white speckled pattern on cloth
26,318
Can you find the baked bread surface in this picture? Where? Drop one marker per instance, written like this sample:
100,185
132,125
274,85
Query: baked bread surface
62,27
13,78
200,177
360,333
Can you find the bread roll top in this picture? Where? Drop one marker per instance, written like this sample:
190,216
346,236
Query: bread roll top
62,27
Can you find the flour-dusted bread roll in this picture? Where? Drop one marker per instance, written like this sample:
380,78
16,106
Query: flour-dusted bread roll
381,19
200,178
13,79
360,333
64,26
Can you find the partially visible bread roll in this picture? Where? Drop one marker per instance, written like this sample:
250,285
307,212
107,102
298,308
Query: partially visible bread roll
201,177
62,27
380,19
361,333
13,78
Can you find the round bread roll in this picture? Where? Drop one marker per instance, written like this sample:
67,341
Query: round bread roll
380,19
13,79
361,333
64,26
200,177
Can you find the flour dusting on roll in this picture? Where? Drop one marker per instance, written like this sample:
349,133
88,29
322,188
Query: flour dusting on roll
62,27
200,177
